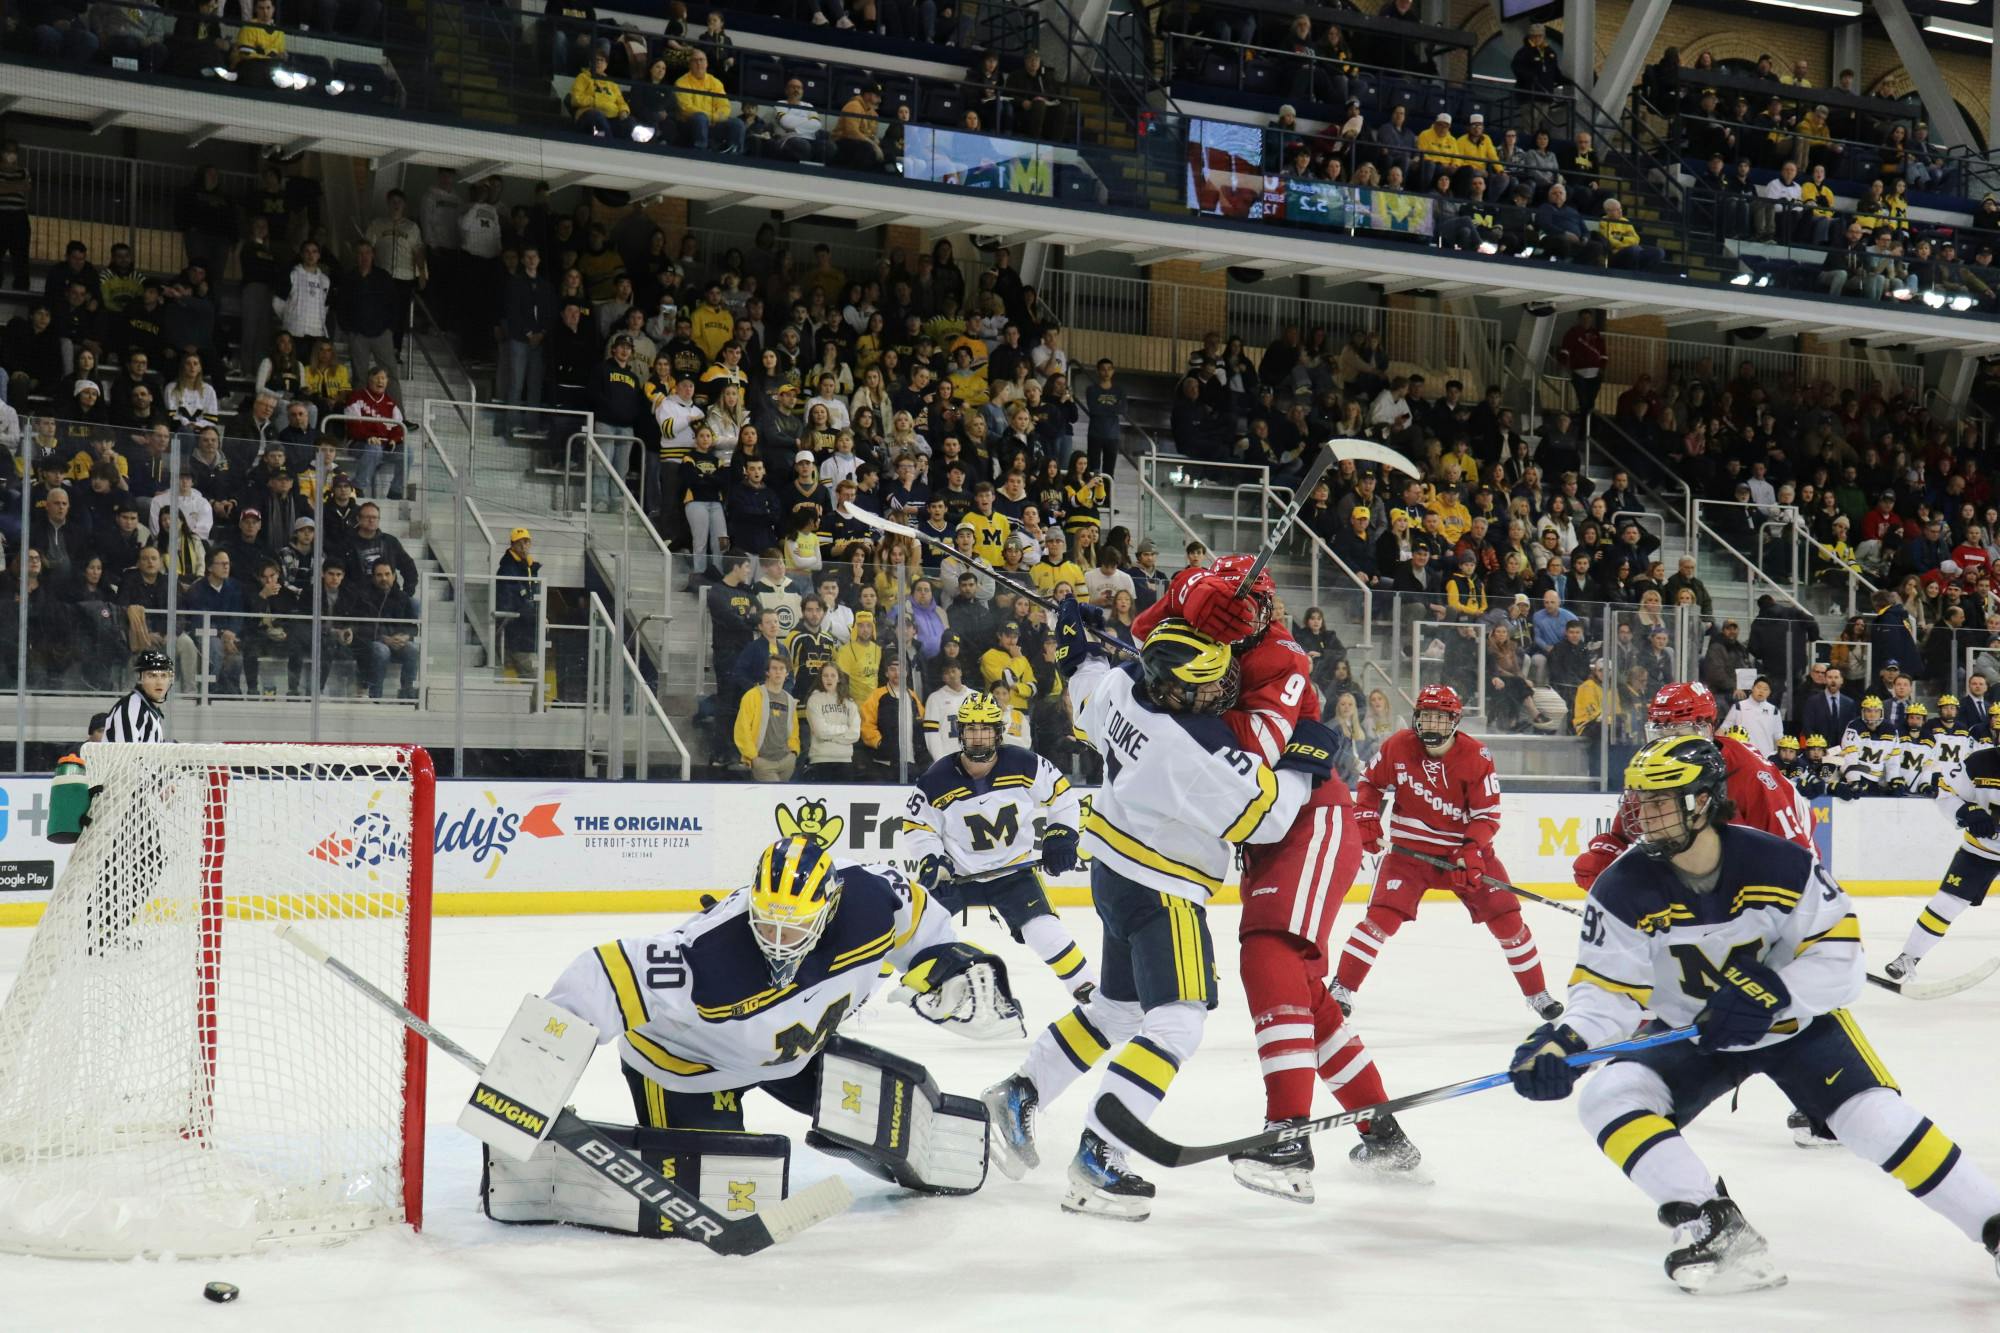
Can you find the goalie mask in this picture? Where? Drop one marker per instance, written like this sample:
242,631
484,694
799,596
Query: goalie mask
792,900
1674,788
1188,672
1436,722
979,719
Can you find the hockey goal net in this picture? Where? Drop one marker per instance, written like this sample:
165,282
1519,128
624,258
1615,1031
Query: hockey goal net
175,1079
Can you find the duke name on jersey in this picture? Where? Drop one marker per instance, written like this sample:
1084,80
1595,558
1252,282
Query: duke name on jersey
985,824
696,1009
1178,794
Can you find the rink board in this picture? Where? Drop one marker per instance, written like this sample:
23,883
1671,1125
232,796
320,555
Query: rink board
532,848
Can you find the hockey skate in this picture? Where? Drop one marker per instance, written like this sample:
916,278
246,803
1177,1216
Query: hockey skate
1546,1005
1282,1170
1010,1112
1807,1134
1900,967
1989,1236
1717,1252
1342,997
1102,1185
1387,1151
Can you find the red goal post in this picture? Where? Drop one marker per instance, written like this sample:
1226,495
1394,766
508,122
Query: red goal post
173,1077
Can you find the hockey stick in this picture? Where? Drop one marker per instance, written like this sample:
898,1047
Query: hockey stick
1344,448
880,524
772,1224
1151,1145
1514,889
1937,990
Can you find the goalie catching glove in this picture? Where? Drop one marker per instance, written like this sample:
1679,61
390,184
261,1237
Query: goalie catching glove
963,988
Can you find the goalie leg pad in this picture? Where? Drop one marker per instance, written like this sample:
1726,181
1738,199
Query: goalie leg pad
731,1173
884,1113
529,1079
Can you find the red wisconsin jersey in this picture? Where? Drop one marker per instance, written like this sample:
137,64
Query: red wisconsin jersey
1277,680
1764,798
1433,801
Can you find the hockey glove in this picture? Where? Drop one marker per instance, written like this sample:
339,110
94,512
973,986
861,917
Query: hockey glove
1074,646
1539,1070
1211,605
1471,874
1059,850
963,988
933,870
1368,824
1596,859
1311,750
1742,1011
1978,821
1847,791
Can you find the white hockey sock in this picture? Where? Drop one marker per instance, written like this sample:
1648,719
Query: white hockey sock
1142,1071
1076,1041
1054,945
1626,1109
1932,923
1880,1126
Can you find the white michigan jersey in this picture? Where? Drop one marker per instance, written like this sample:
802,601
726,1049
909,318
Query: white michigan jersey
1178,795
1908,763
1974,782
985,824
694,1009
1651,944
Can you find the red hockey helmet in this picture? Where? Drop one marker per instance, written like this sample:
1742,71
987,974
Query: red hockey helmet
1438,711
1261,592
1683,708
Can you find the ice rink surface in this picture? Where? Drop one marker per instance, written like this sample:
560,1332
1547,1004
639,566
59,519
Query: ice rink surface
1527,1226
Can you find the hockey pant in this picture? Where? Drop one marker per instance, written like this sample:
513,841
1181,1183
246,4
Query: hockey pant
1291,890
1022,901
1157,985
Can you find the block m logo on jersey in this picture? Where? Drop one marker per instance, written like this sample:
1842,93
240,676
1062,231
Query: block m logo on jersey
986,834
799,1041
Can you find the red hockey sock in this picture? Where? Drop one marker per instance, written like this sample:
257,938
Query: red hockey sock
1518,943
1281,996
1363,945
1344,1063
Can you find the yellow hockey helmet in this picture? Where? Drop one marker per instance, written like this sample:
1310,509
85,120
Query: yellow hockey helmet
792,901
1815,742
1681,769
980,721
1188,672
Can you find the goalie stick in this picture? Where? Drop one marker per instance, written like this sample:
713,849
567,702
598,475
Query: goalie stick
772,1224
1148,1143
1336,450
1514,889
1937,990
1000,576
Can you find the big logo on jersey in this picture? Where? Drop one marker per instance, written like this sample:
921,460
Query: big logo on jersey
986,834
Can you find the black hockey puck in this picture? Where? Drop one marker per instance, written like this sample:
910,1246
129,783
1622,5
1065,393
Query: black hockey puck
220,1292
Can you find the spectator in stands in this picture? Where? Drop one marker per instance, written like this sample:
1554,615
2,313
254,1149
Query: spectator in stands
1622,243
1779,205
801,134
1537,75
305,303
1395,142
385,631
260,44
1561,227
516,599
212,627
1580,168
767,725
375,426
1039,112
618,398
704,108
596,102
855,133
1848,265
137,33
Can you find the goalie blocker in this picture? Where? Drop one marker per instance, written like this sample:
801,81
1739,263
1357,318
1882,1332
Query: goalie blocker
876,1109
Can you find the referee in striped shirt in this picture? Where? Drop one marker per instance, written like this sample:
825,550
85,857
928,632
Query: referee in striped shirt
137,716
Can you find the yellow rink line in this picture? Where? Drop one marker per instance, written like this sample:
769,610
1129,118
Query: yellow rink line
580,901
